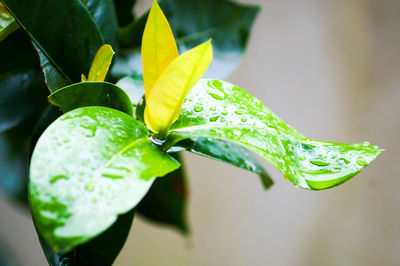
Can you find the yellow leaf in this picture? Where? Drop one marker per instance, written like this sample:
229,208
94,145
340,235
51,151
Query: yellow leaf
101,63
164,102
158,47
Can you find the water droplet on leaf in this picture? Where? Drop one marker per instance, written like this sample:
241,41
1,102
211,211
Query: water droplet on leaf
198,108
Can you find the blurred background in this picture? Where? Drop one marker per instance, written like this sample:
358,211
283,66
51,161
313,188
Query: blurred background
330,69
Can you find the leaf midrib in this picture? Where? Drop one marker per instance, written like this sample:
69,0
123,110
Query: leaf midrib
45,52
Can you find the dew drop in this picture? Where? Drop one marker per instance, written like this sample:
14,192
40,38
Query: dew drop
213,108
361,162
240,112
216,96
213,119
345,160
319,163
244,119
89,187
198,108
365,143
56,178
224,112
112,175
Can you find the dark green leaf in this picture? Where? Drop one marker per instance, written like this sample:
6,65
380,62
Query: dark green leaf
92,94
102,250
72,51
104,15
54,79
17,53
91,165
124,10
22,93
23,99
227,152
228,24
14,158
21,81
216,109
165,203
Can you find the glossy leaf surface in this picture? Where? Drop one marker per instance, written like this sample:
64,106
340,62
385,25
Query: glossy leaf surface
166,201
227,152
102,250
91,165
227,23
104,15
163,103
92,94
21,81
22,93
71,52
14,159
158,47
220,110
212,148
7,23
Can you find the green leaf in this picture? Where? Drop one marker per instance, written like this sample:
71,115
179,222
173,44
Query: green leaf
16,147
216,149
22,93
17,53
124,9
165,203
92,94
104,15
21,81
220,110
14,158
227,152
71,52
7,23
91,165
23,99
228,24
54,79
102,250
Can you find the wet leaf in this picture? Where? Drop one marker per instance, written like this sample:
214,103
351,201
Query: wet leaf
227,152
102,250
92,94
91,165
216,109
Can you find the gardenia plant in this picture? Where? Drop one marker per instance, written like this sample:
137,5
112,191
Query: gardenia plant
100,158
